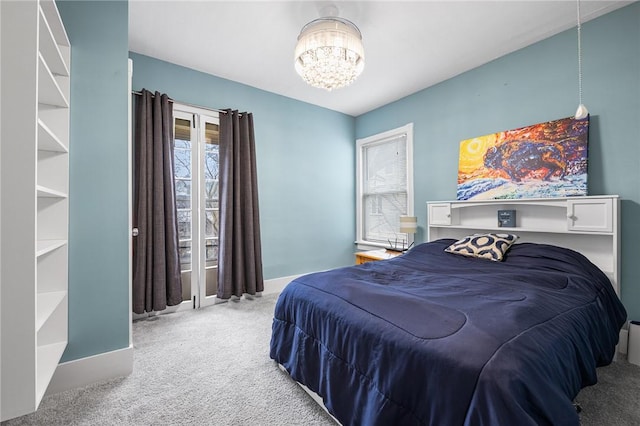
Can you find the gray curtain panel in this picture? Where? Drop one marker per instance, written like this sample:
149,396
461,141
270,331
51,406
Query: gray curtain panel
156,263
240,252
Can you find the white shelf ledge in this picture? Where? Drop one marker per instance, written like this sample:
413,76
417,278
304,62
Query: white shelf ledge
50,50
55,22
44,192
498,229
49,91
46,246
46,304
48,141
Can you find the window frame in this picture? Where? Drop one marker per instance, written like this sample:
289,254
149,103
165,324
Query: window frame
363,143
198,117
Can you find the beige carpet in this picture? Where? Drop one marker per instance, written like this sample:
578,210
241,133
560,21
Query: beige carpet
212,367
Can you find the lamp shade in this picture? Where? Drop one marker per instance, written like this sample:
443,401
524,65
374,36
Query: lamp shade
329,53
408,224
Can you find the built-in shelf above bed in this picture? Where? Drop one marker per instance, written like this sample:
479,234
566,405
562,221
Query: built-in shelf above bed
589,225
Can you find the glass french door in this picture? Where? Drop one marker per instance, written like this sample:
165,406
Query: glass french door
196,142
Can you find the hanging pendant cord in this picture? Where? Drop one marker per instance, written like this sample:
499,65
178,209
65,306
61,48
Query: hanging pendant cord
579,55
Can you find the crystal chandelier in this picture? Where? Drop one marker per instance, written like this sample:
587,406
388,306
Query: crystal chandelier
329,54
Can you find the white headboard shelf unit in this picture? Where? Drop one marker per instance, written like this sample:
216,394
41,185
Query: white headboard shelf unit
589,224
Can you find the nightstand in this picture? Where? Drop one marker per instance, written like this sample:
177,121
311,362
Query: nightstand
373,255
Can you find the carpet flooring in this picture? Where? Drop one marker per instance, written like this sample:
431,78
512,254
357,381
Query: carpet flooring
212,367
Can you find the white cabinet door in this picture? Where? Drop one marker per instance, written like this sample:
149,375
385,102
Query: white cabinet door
440,214
591,215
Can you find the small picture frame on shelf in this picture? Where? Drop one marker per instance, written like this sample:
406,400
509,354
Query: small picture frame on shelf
506,218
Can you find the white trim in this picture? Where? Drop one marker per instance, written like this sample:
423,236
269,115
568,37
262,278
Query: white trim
198,118
130,201
0,219
623,343
190,109
201,122
86,371
194,298
185,305
271,286
276,285
119,363
407,130
366,245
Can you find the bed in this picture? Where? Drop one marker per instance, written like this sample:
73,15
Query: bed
438,338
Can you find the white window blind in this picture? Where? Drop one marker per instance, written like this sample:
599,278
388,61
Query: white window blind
385,189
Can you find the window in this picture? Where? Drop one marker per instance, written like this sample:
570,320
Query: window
195,153
384,186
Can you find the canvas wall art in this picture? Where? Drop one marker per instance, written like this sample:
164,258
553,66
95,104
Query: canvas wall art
540,161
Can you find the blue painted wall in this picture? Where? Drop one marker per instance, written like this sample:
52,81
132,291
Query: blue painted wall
306,156
305,159
532,85
98,216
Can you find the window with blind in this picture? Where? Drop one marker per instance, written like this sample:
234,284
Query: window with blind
384,186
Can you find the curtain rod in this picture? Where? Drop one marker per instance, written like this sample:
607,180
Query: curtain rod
135,92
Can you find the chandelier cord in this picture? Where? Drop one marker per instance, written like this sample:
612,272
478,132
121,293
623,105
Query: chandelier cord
579,55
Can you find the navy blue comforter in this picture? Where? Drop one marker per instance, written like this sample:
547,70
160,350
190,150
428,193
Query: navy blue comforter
434,338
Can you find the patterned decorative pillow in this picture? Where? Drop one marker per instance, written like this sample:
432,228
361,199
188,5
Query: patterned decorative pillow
485,246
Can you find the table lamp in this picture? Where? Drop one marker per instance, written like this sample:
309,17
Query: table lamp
408,225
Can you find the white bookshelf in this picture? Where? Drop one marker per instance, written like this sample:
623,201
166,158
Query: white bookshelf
35,60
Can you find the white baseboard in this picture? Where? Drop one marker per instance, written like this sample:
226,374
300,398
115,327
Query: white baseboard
623,342
110,365
272,286
276,285
86,371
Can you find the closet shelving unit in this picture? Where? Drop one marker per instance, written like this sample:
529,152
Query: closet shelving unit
34,204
